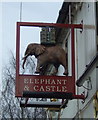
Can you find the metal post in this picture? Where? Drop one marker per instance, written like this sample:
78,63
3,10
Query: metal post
17,56
73,55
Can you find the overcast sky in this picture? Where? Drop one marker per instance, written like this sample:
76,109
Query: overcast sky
31,12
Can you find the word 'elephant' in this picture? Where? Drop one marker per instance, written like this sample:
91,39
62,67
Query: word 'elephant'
53,54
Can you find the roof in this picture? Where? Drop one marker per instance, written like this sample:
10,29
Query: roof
63,12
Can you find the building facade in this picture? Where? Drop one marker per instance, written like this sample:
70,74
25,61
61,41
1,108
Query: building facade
86,57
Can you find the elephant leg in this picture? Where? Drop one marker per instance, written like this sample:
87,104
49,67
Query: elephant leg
56,68
65,68
40,64
38,67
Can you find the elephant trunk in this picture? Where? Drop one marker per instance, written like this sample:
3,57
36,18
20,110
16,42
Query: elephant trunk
24,58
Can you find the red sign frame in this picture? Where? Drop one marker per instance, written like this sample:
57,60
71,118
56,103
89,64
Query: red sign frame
38,83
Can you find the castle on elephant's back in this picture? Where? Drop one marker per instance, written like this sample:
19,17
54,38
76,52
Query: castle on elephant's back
86,57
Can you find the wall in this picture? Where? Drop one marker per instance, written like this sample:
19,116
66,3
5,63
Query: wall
85,51
86,41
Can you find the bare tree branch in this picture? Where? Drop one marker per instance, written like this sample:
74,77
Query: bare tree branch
11,105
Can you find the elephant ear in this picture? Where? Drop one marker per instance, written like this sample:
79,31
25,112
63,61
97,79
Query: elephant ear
40,49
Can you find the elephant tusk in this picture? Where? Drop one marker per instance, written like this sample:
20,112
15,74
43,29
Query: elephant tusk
25,57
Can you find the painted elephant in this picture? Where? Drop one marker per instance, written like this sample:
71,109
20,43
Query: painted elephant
52,54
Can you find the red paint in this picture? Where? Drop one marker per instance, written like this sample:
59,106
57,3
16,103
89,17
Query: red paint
60,25
73,56
37,83
23,81
78,97
17,57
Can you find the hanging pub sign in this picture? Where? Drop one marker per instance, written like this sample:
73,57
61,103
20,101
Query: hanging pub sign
36,84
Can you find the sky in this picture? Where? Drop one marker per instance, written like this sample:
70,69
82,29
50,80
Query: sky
31,12
46,12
